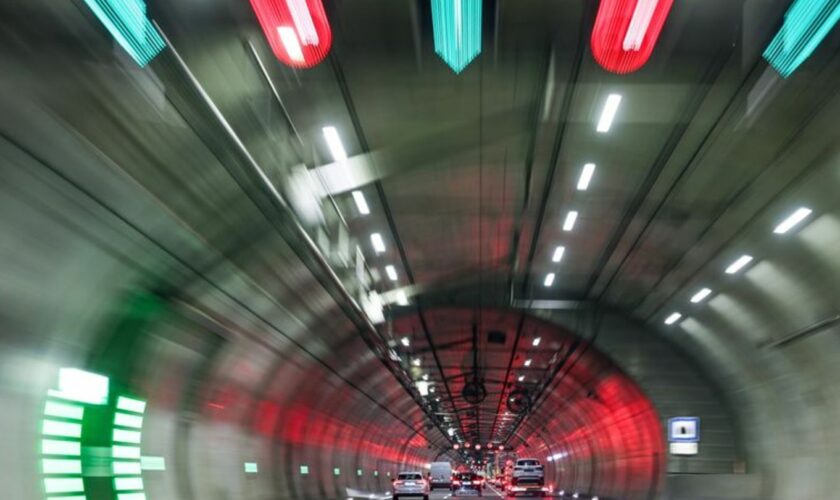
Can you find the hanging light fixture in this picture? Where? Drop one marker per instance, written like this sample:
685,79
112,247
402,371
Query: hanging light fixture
457,31
806,24
626,32
127,22
297,30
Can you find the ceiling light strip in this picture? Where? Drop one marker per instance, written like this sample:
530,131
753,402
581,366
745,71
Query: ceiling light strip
608,113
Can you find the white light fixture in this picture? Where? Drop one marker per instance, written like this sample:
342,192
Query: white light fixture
673,318
739,264
608,113
377,242
521,378
549,279
334,143
432,389
423,387
700,295
571,218
450,431
289,39
639,24
792,220
425,376
558,254
536,341
416,362
303,21
402,298
405,341
586,176
361,202
391,271
527,362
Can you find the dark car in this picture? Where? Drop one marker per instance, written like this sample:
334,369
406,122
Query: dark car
466,484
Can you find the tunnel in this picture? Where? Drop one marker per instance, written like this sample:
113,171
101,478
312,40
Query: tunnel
318,249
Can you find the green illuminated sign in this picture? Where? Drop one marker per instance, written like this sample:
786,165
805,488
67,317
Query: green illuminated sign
61,430
127,22
457,31
125,450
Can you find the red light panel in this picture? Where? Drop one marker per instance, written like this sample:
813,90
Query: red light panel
626,32
297,30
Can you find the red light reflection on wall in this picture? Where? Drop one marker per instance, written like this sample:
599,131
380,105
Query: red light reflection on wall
297,30
626,32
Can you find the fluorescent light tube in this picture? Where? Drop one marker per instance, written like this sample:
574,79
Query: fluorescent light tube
586,176
536,341
571,218
673,318
303,21
377,242
639,24
405,341
608,113
700,295
402,298
739,264
416,362
521,378
527,362
558,254
361,202
549,279
289,39
792,220
337,150
391,272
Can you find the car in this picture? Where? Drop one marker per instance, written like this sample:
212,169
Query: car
410,484
440,474
466,484
528,478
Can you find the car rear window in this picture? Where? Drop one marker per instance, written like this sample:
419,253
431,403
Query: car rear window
527,463
410,476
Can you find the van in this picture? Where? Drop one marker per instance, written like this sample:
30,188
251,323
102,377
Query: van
440,475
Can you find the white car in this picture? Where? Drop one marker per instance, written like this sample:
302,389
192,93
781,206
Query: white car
410,484
528,478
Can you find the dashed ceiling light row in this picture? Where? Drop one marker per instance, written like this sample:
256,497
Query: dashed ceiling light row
785,226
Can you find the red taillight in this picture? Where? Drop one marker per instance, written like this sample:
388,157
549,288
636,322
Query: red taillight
297,30
626,32
476,482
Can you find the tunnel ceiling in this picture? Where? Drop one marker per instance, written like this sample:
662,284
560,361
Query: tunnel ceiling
469,177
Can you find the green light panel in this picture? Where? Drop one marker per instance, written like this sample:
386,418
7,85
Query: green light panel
806,24
153,463
359,472
336,472
304,470
127,465
457,31
127,22
251,468
61,430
